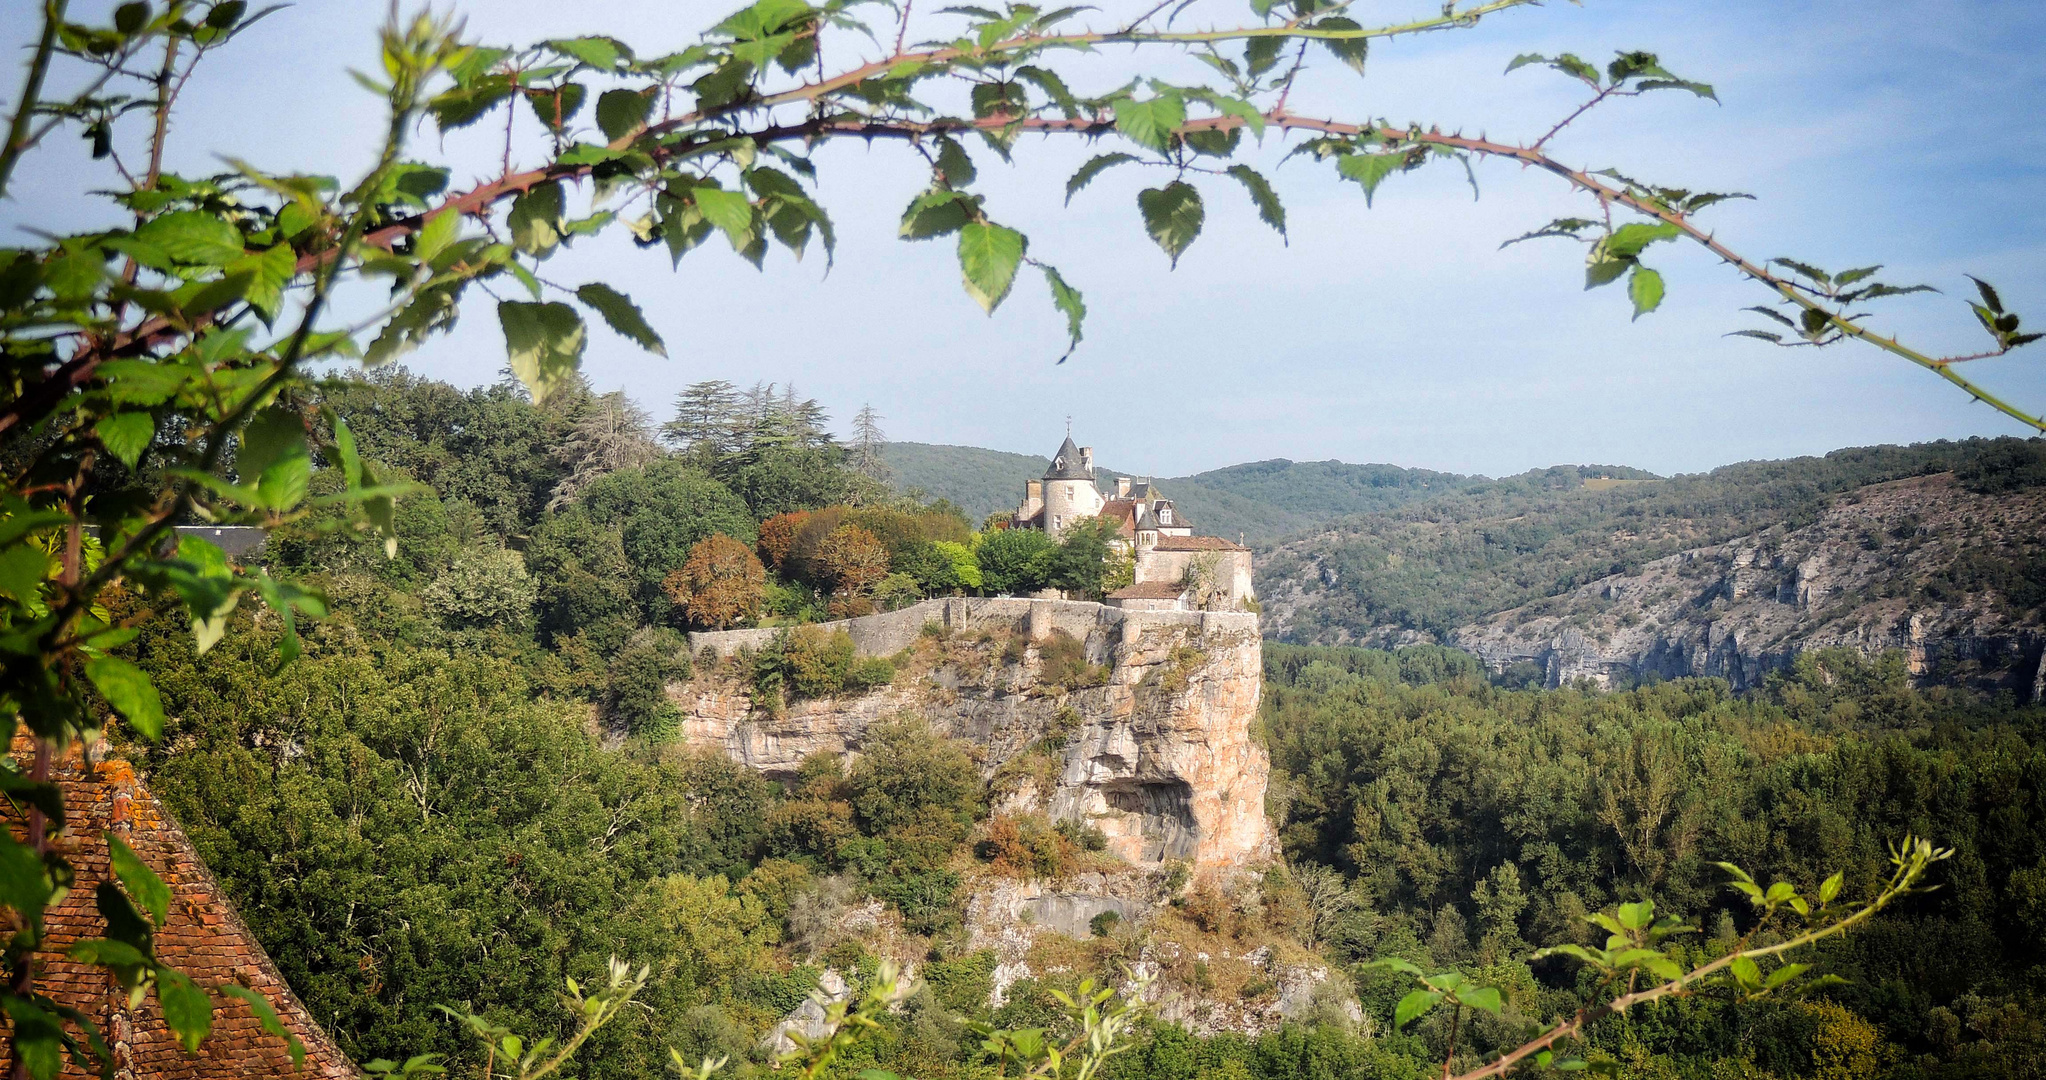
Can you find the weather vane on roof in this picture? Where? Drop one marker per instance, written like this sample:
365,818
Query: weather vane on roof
1069,425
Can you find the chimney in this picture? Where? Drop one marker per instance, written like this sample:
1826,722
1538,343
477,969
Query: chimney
1033,492
1087,458
1122,487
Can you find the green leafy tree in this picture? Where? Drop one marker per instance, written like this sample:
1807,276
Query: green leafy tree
1015,560
1085,556
485,586
660,511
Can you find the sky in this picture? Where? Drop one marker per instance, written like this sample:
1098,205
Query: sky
1906,134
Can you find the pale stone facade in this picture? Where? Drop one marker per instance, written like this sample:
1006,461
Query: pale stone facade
1210,571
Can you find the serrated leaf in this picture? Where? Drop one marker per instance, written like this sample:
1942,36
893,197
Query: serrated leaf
1745,973
1989,296
1603,271
1093,168
1150,123
730,211
537,219
544,343
1414,1006
953,164
1830,888
936,213
129,690
1809,271
1645,289
622,112
555,107
988,257
126,435
1069,303
140,881
1370,170
1774,339
1172,215
194,237
1351,51
1269,209
266,1015
1484,997
622,315
1784,974
1629,241
602,53
186,1008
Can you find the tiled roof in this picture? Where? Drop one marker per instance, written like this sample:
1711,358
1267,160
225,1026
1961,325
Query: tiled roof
205,939
1123,511
1148,590
1066,464
1196,543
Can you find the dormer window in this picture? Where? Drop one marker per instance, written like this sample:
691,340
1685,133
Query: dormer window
1164,515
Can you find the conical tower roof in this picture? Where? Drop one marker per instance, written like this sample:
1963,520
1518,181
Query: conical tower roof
1066,464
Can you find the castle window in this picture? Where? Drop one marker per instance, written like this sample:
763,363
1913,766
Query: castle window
1165,515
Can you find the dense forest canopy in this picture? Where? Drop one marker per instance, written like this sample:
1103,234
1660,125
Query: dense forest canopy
432,806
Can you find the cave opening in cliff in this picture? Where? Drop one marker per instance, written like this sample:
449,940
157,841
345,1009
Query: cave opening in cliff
1165,810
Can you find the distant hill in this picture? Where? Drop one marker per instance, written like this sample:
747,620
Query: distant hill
1261,501
1422,570
979,481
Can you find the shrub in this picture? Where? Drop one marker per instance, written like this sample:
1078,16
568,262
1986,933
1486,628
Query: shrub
1065,663
484,586
965,565
636,691
1104,924
1027,846
869,672
851,560
721,583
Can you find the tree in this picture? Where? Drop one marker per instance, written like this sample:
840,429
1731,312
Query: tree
866,445
721,583
179,340
1082,562
485,586
612,433
852,561
706,424
660,512
778,536
1015,560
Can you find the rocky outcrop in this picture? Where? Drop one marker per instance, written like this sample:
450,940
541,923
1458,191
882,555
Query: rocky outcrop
1159,755
1945,575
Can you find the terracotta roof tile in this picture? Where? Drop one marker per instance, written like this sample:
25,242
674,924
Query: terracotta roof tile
205,939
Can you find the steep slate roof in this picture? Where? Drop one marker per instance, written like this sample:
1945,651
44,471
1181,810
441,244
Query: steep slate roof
1066,465
205,939
1148,590
1195,543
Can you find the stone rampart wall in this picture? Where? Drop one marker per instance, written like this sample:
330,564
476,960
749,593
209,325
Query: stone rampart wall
891,632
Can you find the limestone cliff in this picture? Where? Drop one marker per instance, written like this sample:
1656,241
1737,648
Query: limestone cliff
1159,755
1948,576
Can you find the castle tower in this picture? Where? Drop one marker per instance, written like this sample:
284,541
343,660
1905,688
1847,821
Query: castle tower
1069,491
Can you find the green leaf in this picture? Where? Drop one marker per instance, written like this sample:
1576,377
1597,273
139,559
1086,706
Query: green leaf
1645,289
936,212
1269,210
537,219
470,102
1600,270
266,1014
1484,997
1370,170
622,112
1829,888
1150,124
274,458
1069,303
622,315
1414,1006
128,689
141,882
988,257
186,1008
556,107
1628,241
602,53
1350,51
1782,890
37,1037
1172,215
1989,297
105,952
1784,974
544,343
126,435
1745,973
1093,168
194,237
953,165
730,211
24,880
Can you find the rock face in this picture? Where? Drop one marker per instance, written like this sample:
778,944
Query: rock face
1948,576
1159,755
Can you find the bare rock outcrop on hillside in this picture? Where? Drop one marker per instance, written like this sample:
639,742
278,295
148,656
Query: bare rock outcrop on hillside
1920,565
1157,752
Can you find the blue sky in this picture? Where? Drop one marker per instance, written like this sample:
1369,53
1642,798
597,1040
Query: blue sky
1904,134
